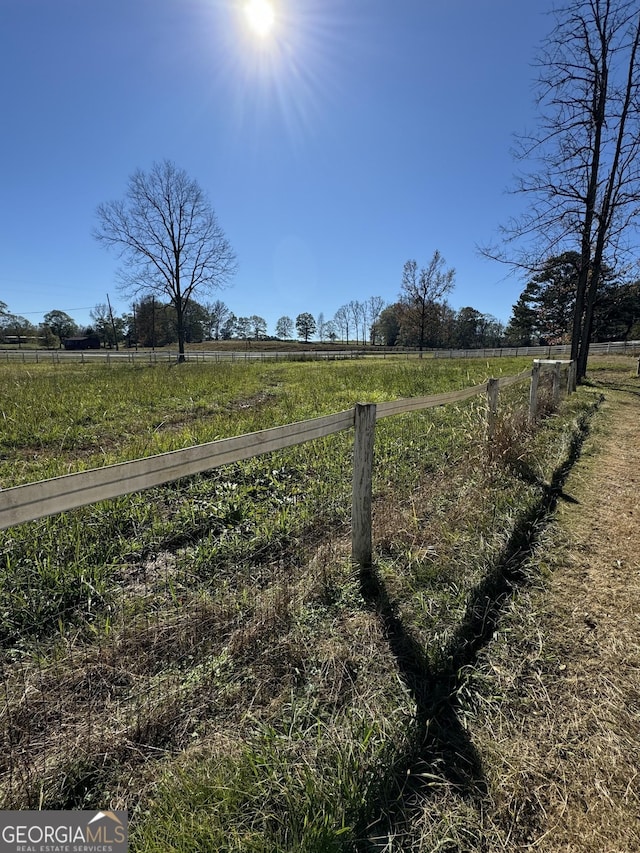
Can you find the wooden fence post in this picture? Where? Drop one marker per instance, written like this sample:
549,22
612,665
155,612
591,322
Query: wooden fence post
555,393
571,380
492,400
362,495
533,392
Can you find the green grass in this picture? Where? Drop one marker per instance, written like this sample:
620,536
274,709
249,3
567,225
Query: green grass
57,419
217,663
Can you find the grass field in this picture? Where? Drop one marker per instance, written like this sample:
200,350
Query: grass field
204,654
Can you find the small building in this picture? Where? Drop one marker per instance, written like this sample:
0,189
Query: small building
83,342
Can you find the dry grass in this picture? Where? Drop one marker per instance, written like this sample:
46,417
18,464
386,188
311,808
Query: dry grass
558,692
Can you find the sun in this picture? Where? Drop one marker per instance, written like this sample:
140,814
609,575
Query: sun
261,16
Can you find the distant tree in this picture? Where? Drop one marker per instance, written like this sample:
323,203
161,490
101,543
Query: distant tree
492,331
100,316
258,327
320,327
364,321
107,326
196,321
61,324
243,328
217,313
305,325
330,331
545,310
375,304
49,340
169,239
284,328
446,324
342,319
355,312
16,329
387,327
468,331
152,323
617,312
438,329
421,292
4,313
228,328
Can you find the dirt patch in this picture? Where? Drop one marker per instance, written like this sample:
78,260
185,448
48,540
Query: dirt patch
561,725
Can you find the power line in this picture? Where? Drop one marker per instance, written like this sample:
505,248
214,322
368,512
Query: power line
25,313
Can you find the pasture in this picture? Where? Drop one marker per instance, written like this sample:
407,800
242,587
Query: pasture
204,654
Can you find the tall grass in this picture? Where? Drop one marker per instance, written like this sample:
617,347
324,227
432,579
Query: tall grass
56,419
217,624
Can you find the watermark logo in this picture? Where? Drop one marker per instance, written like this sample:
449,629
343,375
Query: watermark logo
63,832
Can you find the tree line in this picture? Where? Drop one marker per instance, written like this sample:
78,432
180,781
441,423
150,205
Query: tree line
420,317
545,311
152,323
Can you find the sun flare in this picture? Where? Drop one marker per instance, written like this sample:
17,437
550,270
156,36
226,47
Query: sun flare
260,16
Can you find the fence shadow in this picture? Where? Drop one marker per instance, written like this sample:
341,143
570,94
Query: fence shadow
442,746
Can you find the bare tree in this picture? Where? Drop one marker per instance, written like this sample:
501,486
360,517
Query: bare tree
364,320
168,237
584,181
354,309
217,313
422,292
106,326
284,327
258,327
375,304
341,319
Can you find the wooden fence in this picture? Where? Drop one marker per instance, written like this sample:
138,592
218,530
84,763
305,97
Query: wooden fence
164,356
33,501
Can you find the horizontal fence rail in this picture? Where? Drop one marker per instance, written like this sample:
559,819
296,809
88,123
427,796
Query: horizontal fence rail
32,501
414,404
71,491
35,356
42,356
548,352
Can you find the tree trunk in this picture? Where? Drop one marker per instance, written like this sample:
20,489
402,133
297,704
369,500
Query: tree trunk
608,206
180,326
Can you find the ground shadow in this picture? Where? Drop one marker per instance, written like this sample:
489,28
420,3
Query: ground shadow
441,744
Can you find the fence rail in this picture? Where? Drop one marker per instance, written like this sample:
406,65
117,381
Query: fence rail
71,491
32,501
41,356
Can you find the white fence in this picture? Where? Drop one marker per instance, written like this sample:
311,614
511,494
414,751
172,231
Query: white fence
132,356
631,348
42,356
33,501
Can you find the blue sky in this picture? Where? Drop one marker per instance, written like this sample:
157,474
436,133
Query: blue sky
358,135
